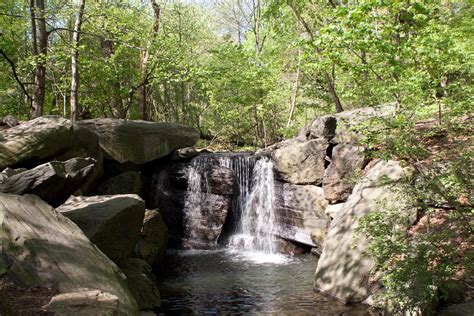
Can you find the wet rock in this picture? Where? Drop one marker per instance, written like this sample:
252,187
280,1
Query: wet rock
153,239
129,182
142,283
40,247
343,269
139,142
111,222
301,163
346,164
463,309
35,140
300,209
184,154
54,181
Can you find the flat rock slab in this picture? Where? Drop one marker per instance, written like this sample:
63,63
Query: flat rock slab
84,303
53,182
40,247
140,142
299,210
112,222
35,140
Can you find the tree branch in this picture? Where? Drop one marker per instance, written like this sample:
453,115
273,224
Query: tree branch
15,74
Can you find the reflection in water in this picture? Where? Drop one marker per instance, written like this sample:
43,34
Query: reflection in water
224,282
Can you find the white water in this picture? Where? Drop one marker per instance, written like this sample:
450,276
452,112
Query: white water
257,224
254,239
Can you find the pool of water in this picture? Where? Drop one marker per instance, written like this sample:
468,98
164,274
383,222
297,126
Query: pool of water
223,282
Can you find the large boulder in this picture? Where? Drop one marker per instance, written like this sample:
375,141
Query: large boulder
86,144
347,160
343,127
153,239
139,142
54,181
299,210
301,163
40,247
129,182
343,269
142,283
112,222
35,140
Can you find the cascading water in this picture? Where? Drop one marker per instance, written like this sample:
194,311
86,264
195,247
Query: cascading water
257,223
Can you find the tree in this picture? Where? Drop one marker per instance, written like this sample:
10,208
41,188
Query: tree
75,61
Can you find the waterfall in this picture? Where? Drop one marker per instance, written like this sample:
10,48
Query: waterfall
257,223
252,209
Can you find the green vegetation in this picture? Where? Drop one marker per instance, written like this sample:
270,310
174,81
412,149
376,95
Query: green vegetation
249,73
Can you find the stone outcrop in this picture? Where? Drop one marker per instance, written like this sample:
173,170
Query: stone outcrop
153,239
301,163
139,142
343,269
209,201
54,181
35,141
129,182
40,247
347,161
111,222
142,283
300,210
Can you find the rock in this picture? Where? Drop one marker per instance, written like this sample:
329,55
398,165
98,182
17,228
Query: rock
9,121
339,178
346,123
291,248
184,154
40,247
86,144
153,239
321,127
141,283
343,269
464,309
35,140
111,222
299,210
318,235
284,143
129,182
54,181
84,303
301,163
139,142
333,209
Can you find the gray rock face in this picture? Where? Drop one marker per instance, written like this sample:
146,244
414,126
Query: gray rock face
343,269
301,163
140,142
142,283
84,303
111,222
129,182
464,309
184,154
346,161
54,181
202,213
321,127
299,211
340,127
86,144
153,239
35,140
40,247
9,121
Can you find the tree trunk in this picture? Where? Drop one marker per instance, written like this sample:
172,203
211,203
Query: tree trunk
294,94
75,60
144,59
40,46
